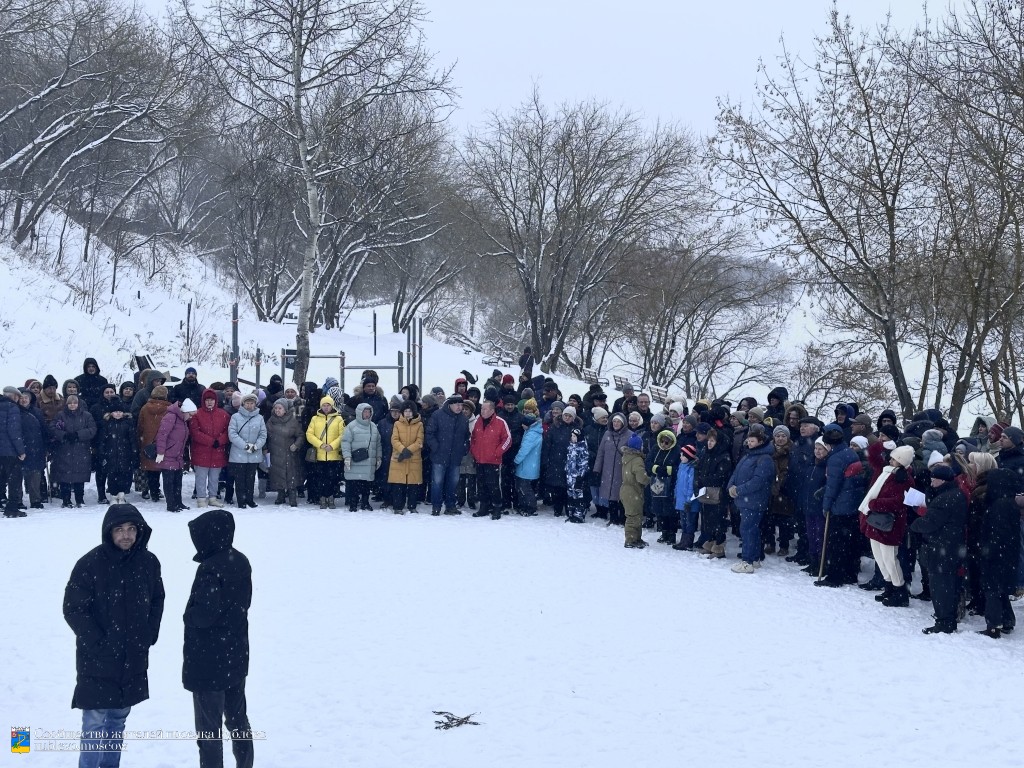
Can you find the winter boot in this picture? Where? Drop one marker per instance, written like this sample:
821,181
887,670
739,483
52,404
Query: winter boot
280,498
293,499
717,551
887,591
330,501
685,542
201,503
215,502
876,583
601,513
900,598
261,483
667,538
435,512
638,544
323,503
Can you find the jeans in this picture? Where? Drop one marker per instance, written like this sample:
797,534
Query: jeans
444,479
688,517
101,737
206,482
750,532
214,708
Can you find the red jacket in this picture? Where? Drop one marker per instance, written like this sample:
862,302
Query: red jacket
206,427
889,499
490,440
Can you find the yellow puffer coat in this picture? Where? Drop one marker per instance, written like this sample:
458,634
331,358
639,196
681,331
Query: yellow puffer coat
407,434
335,428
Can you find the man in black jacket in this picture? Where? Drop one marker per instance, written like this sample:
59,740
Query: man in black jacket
943,528
514,419
216,656
113,601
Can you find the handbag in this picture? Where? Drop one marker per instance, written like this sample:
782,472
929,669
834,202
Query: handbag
150,451
882,521
311,451
711,496
657,486
360,454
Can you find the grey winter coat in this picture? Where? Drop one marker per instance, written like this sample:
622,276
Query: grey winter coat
72,431
284,433
609,461
361,433
246,427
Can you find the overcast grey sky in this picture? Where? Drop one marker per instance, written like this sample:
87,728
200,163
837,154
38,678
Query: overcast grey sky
668,59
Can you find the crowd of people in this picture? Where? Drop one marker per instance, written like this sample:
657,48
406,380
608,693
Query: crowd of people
907,492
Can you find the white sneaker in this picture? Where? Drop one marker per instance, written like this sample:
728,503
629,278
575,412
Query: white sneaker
758,563
743,567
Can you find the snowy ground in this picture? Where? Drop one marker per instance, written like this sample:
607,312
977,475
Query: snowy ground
570,649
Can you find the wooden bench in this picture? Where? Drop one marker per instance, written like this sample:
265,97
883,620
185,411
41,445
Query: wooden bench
593,377
621,382
498,359
660,394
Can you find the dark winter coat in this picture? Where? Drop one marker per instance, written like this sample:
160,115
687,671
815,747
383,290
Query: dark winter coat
216,652
147,425
34,432
208,431
117,447
12,443
91,386
72,432
713,469
782,501
609,462
1013,459
890,501
753,479
286,442
171,439
377,401
663,463
801,461
554,450
593,433
114,601
185,390
145,392
515,428
943,525
447,436
1000,534
845,481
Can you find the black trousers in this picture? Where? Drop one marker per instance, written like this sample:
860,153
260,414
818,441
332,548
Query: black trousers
404,495
172,489
119,482
466,492
508,483
10,481
245,479
488,486
945,588
357,492
213,710
153,481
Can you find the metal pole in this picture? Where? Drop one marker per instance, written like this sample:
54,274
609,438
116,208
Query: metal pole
400,369
408,346
341,370
419,353
375,333
233,362
283,376
259,362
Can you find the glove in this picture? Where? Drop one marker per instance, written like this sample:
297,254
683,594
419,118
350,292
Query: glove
655,468
734,491
405,454
216,443
292,448
348,464
819,494
70,437
159,458
377,465
250,448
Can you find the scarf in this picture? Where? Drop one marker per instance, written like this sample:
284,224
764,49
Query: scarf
876,488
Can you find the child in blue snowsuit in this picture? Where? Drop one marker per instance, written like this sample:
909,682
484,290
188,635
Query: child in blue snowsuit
685,506
577,470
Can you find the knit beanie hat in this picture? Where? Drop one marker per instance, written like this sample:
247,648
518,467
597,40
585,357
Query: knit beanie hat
780,430
860,442
904,454
833,434
49,381
598,413
569,411
284,402
943,472
688,452
188,406
635,442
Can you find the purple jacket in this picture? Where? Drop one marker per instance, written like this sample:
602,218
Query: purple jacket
170,440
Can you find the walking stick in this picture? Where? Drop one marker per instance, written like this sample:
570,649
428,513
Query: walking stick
824,546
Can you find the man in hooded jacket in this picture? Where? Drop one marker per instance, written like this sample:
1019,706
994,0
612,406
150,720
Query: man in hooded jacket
113,601
216,652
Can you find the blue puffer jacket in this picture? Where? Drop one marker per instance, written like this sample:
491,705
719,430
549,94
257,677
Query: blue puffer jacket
684,485
845,481
528,457
807,503
246,427
753,479
447,436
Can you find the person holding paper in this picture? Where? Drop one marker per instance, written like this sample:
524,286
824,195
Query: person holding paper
883,519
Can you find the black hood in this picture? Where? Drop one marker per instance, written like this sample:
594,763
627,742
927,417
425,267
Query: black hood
125,513
212,532
1002,484
90,361
124,385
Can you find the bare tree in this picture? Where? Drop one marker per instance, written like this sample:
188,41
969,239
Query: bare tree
565,196
831,373
306,68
